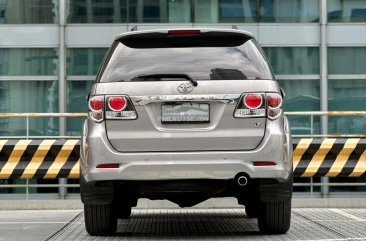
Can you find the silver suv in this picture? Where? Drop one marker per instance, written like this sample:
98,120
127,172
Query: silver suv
185,115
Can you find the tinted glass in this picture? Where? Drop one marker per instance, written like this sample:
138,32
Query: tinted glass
97,11
200,63
346,11
84,61
294,60
28,96
157,11
76,102
347,60
289,11
347,95
28,11
225,11
302,95
28,61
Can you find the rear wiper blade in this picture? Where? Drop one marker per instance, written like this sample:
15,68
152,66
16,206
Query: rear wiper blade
184,76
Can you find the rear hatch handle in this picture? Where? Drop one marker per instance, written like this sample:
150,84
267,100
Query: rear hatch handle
159,76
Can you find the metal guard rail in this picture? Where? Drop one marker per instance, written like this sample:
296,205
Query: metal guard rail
59,158
49,159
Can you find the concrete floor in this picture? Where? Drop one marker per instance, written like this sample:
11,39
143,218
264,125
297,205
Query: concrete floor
185,224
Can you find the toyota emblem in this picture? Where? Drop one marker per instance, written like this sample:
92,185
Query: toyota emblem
185,88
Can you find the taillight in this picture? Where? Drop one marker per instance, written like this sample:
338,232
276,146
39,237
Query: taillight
253,101
117,103
251,105
120,107
96,104
274,102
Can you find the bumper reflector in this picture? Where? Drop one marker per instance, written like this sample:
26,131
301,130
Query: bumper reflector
261,164
108,166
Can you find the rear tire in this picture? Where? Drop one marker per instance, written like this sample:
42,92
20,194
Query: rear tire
275,217
100,220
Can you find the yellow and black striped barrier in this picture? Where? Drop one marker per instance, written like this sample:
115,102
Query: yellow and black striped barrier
329,157
48,159
45,159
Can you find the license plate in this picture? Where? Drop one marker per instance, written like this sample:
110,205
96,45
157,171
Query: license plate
185,113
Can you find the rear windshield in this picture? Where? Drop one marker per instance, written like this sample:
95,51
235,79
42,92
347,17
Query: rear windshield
240,60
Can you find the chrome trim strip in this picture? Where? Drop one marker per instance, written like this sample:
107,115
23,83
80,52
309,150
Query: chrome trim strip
225,98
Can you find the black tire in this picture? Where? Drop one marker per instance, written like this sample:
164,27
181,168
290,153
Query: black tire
100,220
252,211
275,217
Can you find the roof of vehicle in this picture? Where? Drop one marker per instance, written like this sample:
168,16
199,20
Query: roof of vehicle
203,30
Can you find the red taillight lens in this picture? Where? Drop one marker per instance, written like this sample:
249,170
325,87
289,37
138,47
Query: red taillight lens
96,103
262,164
108,166
251,105
120,107
117,103
96,106
274,100
184,32
253,101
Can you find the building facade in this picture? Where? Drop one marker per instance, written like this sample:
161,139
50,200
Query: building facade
50,51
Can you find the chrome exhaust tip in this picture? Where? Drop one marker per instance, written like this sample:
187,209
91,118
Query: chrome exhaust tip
242,181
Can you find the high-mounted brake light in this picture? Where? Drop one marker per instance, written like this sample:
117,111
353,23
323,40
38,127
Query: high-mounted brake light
184,32
274,102
253,101
96,104
117,103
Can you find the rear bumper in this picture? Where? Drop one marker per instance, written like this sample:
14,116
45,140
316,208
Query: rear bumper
96,149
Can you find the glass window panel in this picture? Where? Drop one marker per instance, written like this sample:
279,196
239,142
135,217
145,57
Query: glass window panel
346,10
97,11
306,190
347,180
84,61
28,96
293,60
347,60
16,190
160,11
31,190
302,95
289,11
206,11
347,95
28,11
23,61
225,11
241,62
76,102
237,11
73,189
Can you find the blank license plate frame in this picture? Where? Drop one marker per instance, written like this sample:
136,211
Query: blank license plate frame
185,113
